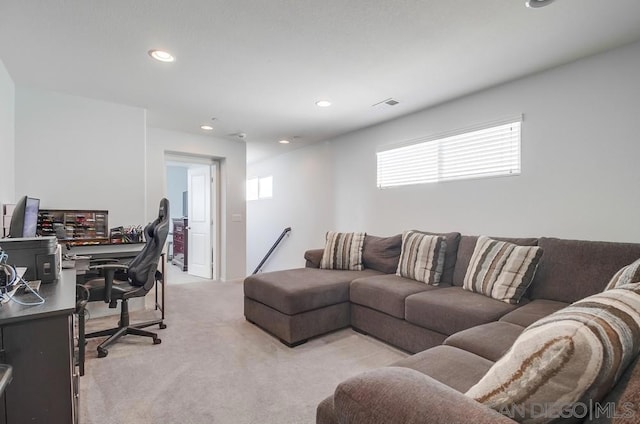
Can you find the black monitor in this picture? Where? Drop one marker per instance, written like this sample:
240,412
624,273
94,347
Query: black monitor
24,221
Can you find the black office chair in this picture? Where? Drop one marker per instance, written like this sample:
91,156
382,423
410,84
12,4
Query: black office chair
142,274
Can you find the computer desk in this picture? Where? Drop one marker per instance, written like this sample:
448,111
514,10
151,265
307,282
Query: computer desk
38,342
105,251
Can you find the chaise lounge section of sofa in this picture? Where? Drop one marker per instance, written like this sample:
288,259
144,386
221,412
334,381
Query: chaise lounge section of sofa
297,304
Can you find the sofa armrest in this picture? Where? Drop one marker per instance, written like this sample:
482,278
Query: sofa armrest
313,257
403,395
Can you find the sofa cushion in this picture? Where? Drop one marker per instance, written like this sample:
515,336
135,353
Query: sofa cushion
452,309
501,270
574,355
533,311
385,293
454,367
422,257
465,250
382,253
303,289
574,269
627,275
343,251
491,341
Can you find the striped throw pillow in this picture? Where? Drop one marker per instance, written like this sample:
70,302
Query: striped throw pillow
501,270
422,257
562,363
627,275
343,251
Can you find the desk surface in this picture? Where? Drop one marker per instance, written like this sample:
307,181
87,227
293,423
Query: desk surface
99,251
60,299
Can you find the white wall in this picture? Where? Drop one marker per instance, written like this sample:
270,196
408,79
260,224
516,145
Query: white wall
580,173
7,137
580,149
302,199
232,155
79,153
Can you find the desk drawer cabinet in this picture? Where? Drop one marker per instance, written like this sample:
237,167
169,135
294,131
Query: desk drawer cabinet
41,354
180,242
37,341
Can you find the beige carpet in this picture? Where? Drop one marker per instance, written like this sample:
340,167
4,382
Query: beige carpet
214,367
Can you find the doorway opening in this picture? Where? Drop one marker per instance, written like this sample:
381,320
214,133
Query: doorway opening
192,190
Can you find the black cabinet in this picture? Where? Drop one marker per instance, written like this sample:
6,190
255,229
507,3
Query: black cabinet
37,341
180,243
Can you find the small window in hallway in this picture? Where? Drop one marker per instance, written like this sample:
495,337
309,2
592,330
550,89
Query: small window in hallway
260,188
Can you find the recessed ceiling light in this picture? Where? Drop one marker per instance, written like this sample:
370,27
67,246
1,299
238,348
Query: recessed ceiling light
323,103
206,127
161,55
538,3
284,141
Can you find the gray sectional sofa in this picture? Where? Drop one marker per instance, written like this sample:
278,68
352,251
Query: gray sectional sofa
455,335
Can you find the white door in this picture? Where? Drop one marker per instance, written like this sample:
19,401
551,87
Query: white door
199,214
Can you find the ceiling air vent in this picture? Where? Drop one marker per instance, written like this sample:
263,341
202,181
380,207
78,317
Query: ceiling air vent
389,102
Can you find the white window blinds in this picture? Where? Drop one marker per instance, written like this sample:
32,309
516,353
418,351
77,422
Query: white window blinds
485,152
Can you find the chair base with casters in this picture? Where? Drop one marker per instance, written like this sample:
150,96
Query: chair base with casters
124,325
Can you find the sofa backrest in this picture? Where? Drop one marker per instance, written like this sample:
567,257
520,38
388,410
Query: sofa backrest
383,253
465,250
574,269
313,258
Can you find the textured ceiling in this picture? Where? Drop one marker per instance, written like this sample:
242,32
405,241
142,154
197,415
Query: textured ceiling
258,66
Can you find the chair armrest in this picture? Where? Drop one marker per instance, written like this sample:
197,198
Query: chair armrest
403,395
114,267
313,257
109,271
103,261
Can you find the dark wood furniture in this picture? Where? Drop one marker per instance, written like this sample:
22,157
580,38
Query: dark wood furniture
180,242
37,341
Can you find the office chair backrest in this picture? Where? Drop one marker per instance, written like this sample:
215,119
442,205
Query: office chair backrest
142,269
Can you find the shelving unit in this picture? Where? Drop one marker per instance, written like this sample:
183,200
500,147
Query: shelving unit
75,226
180,242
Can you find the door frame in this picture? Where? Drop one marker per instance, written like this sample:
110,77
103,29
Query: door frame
214,185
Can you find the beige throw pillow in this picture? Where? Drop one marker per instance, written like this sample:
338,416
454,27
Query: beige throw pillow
501,270
422,257
343,251
564,362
